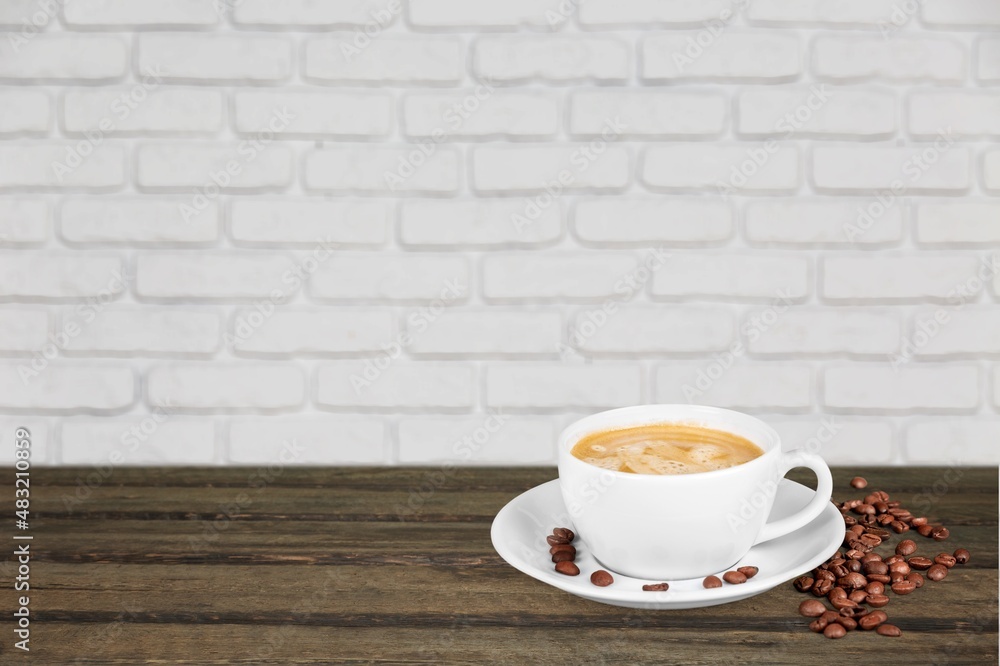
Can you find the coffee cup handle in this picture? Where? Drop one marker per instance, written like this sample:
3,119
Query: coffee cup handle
824,490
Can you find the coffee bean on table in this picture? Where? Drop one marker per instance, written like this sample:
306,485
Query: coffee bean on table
878,600
940,533
888,630
749,572
564,533
904,587
906,547
601,578
937,572
835,630
859,482
847,623
916,579
962,556
656,587
875,587
872,620
819,624
880,578
803,583
858,596
567,568
899,567
925,530
920,563
840,603
852,581
837,593
811,608
734,577
711,582
918,521
946,560
876,568
820,588
554,540
899,526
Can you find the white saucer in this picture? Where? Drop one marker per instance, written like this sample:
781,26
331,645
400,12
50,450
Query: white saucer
519,532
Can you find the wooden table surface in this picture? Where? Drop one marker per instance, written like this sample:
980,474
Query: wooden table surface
360,565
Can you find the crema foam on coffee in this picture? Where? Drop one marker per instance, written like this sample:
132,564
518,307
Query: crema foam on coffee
665,448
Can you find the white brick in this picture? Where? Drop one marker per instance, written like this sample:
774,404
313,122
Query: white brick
603,221
305,331
880,388
737,386
221,57
477,440
761,56
895,277
316,114
387,59
64,387
226,387
64,57
136,221
48,166
839,441
755,276
40,15
238,167
988,59
23,221
40,439
816,111
480,113
971,14
991,170
142,110
865,169
649,113
814,331
398,386
841,14
968,441
23,329
486,14
125,13
61,275
484,332
970,331
652,329
968,222
157,438
311,14
392,277
309,441
553,386
650,13
718,166
558,276
144,332
833,221
382,169
213,275
971,114
897,59
475,223
274,222
552,58
24,111
508,169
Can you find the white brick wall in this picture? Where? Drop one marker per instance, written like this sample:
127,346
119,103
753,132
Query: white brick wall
430,231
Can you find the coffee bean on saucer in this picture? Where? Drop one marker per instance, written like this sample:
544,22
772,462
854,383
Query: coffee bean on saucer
656,587
803,583
888,630
946,560
749,572
872,620
601,578
940,533
734,577
906,547
554,540
937,572
711,582
962,556
835,630
920,563
564,533
562,547
811,608
563,556
567,568
859,482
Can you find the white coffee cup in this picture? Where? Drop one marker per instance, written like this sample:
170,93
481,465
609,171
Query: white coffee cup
676,526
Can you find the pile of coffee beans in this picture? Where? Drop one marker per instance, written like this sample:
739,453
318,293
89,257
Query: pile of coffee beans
564,553
858,577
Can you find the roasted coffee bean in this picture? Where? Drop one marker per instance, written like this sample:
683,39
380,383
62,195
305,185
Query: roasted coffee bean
839,570
601,578
899,526
871,557
850,504
830,615
920,563
880,507
562,547
803,583
940,533
903,587
563,556
834,630
850,521
895,576
875,587
824,574
893,504
837,593
962,556
879,532
864,509
901,513
855,554
917,522
711,581
835,561
854,611
858,530
749,572
858,596
946,560
916,579
906,547
894,558
899,567
852,581
554,540
872,620
879,578
877,600
656,587
925,530
822,587
870,540
881,496
889,630
859,482
818,625
853,565
937,572
564,533
847,623
568,568
811,608
876,568
734,577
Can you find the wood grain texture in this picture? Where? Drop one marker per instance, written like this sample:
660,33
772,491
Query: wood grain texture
344,566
